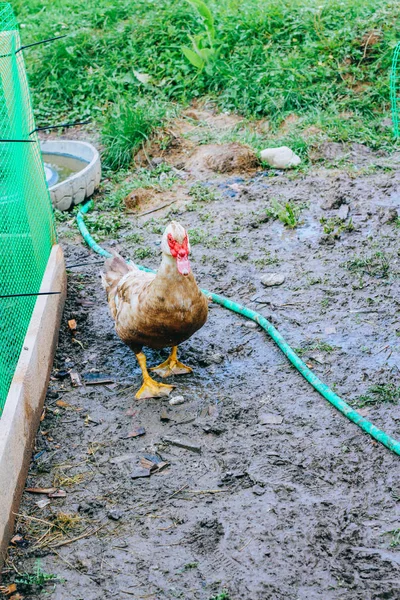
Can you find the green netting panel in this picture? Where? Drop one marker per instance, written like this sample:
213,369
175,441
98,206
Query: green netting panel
394,90
27,230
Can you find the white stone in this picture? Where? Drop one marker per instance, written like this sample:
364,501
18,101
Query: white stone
177,400
271,279
280,158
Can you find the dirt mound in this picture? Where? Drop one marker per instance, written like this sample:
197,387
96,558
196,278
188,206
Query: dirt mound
138,198
222,158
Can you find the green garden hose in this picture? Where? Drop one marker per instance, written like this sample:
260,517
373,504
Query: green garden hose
321,387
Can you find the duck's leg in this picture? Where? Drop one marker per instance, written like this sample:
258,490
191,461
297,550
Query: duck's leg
150,388
171,366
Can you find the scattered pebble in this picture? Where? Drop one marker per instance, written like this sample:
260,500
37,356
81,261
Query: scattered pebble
258,490
216,357
269,419
250,325
114,515
343,212
280,158
271,279
176,400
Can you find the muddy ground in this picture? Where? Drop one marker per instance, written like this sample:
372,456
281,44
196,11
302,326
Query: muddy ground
297,510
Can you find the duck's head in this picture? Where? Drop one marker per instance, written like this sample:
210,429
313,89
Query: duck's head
175,243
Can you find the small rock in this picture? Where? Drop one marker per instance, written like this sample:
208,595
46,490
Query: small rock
280,158
177,400
388,215
258,490
269,419
250,325
137,432
140,472
164,416
330,330
156,161
271,279
114,515
216,358
343,212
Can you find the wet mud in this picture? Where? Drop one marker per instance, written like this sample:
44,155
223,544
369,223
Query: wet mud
272,494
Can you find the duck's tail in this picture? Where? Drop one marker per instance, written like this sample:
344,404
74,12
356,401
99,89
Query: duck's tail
114,269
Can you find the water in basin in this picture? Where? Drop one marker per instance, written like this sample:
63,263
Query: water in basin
58,167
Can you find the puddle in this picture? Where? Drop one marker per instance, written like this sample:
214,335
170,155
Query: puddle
59,167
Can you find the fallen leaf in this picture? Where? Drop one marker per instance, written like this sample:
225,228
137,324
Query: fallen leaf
17,539
67,406
78,342
41,490
17,597
137,432
142,77
7,590
58,494
43,415
72,324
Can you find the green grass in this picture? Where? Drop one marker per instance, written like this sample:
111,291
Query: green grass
379,394
36,581
315,347
376,265
123,65
288,213
221,596
203,193
335,226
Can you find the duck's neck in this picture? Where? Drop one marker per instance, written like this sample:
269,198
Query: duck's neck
169,270
168,267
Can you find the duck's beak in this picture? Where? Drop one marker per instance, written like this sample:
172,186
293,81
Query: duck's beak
183,264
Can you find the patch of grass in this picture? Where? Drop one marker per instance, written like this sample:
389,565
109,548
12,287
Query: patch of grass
192,565
142,253
288,213
387,393
266,260
203,193
222,596
36,581
287,57
197,236
315,347
375,265
105,224
136,238
335,226
127,128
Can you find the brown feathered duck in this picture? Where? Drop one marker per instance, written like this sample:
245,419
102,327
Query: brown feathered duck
157,310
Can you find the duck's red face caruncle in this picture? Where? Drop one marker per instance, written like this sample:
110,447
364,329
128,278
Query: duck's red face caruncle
181,253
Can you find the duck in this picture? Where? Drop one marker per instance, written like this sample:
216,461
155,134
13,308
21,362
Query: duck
156,310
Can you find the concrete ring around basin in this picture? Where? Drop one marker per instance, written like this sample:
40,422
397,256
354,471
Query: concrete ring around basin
80,185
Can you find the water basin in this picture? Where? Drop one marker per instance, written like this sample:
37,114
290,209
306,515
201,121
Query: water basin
58,167
73,171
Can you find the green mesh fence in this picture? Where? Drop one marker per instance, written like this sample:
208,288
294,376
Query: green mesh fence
27,230
394,90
